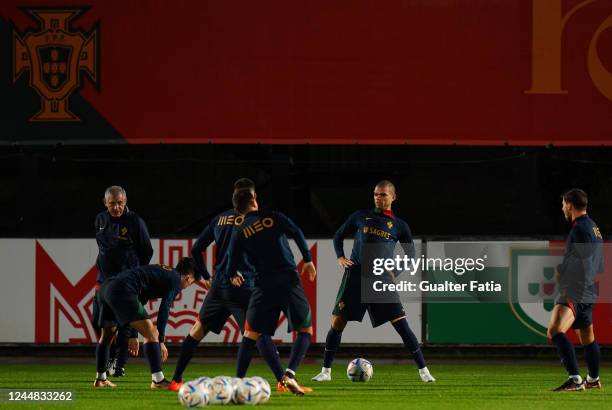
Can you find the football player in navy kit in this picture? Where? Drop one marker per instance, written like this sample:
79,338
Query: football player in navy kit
582,261
380,226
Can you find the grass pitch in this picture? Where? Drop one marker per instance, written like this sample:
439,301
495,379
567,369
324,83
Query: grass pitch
394,386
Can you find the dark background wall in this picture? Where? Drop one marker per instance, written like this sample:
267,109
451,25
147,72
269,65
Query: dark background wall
55,191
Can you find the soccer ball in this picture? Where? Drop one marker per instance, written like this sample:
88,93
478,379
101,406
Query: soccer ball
220,390
248,392
359,370
193,394
265,389
235,382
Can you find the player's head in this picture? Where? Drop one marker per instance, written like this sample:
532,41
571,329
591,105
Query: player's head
115,200
187,269
244,183
244,200
574,202
384,195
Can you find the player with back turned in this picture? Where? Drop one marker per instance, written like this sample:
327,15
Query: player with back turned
379,226
123,243
122,299
582,261
222,299
278,288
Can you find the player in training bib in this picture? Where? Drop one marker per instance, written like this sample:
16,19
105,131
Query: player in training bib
378,225
582,261
278,288
122,300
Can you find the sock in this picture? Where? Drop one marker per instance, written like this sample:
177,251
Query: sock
122,347
270,355
567,353
298,351
410,341
157,376
332,342
424,371
187,348
112,353
153,354
245,353
592,355
101,359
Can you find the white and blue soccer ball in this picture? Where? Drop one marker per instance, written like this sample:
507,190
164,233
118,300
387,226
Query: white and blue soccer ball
359,370
266,391
193,394
248,392
235,382
220,390
203,380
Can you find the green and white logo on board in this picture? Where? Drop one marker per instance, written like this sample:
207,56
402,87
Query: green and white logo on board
532,289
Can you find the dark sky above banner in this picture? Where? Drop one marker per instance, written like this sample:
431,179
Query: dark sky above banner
523,72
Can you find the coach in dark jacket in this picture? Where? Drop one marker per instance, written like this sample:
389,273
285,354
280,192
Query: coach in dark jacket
123,243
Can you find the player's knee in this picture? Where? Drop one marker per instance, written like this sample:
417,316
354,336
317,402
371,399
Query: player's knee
250,334
338,323
198,331
306,330
552,332
151,334
106,335
586,336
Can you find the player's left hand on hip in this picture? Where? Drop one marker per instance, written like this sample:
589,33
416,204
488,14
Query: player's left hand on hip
164,352
237,280
133,346
309,269
206,284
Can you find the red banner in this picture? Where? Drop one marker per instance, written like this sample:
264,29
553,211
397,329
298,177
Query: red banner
525,72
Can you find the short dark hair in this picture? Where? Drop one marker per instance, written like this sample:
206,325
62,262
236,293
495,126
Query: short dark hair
385,183
242,199
244,183
187,265
577,197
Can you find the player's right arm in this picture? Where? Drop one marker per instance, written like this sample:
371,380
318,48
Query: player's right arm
348,228
204,240
294,231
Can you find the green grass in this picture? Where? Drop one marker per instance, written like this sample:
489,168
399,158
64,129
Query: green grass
459,386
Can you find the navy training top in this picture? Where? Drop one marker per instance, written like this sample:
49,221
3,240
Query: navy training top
263,238
153,282
582,261
373,226
123,243
220,230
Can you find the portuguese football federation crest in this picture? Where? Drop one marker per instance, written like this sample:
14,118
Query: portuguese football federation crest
532,286
55,56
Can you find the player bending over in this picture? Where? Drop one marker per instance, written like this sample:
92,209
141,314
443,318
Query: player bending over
263,238
380,226
121,303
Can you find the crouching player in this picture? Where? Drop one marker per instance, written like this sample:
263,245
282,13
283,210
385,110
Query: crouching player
121,303
263,238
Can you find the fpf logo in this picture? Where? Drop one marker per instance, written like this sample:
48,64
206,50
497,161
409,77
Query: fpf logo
549,24
55,56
